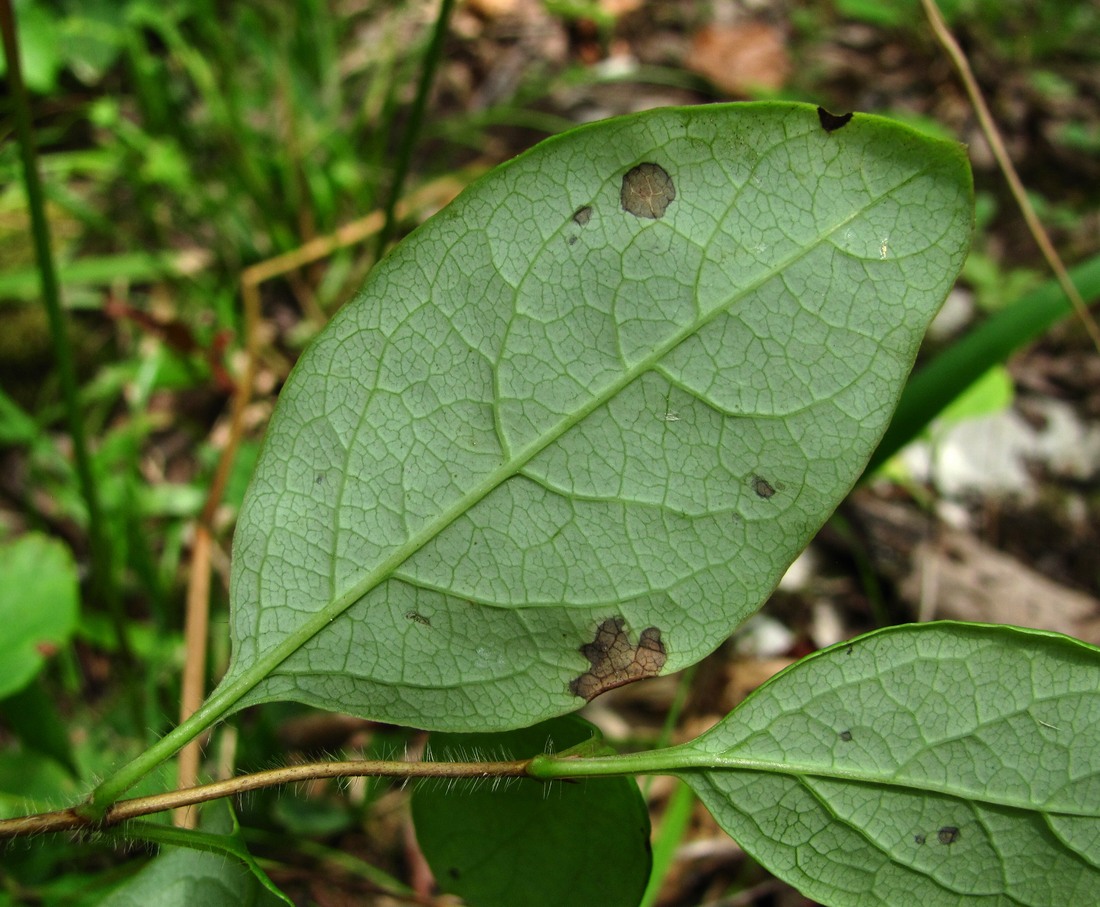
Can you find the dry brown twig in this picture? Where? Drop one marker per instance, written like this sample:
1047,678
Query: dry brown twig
997,146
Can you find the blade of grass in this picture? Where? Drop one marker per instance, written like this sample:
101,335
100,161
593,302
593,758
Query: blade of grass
137,267
103,582
674,825
432,54
333,858
935,385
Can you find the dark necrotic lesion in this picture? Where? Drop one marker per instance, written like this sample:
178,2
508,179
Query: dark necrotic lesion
762,487
831,122
616,661
949,834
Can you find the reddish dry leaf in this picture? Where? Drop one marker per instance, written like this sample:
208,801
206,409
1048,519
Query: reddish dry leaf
739,58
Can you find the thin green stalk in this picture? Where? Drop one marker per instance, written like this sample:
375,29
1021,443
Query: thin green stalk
681,801
98,532
432,54
330,856
674,825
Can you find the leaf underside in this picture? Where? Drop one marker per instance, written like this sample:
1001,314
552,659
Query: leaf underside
589,394
938,764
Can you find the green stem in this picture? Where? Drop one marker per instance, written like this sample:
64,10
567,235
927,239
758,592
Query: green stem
548,767
416,117
217,705
687,759
98,534
674,760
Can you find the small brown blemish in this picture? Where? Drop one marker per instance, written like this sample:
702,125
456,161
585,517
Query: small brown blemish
582,215
949,834
831,122
418,618
846,736
647,191
918,839
762,487
616,661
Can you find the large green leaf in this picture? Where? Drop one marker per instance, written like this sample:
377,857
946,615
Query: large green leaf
601,400
935,764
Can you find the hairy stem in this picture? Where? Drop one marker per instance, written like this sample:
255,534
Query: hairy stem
73,819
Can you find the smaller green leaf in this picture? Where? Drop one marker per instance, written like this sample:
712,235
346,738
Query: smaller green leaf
197,872
39,600
944,763
527,844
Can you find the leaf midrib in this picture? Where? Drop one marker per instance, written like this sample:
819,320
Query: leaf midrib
714,763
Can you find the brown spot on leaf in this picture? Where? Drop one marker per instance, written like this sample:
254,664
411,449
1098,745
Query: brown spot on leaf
647,191
762,487
918,839
582,215
831,122
616,661
846,736
949,834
